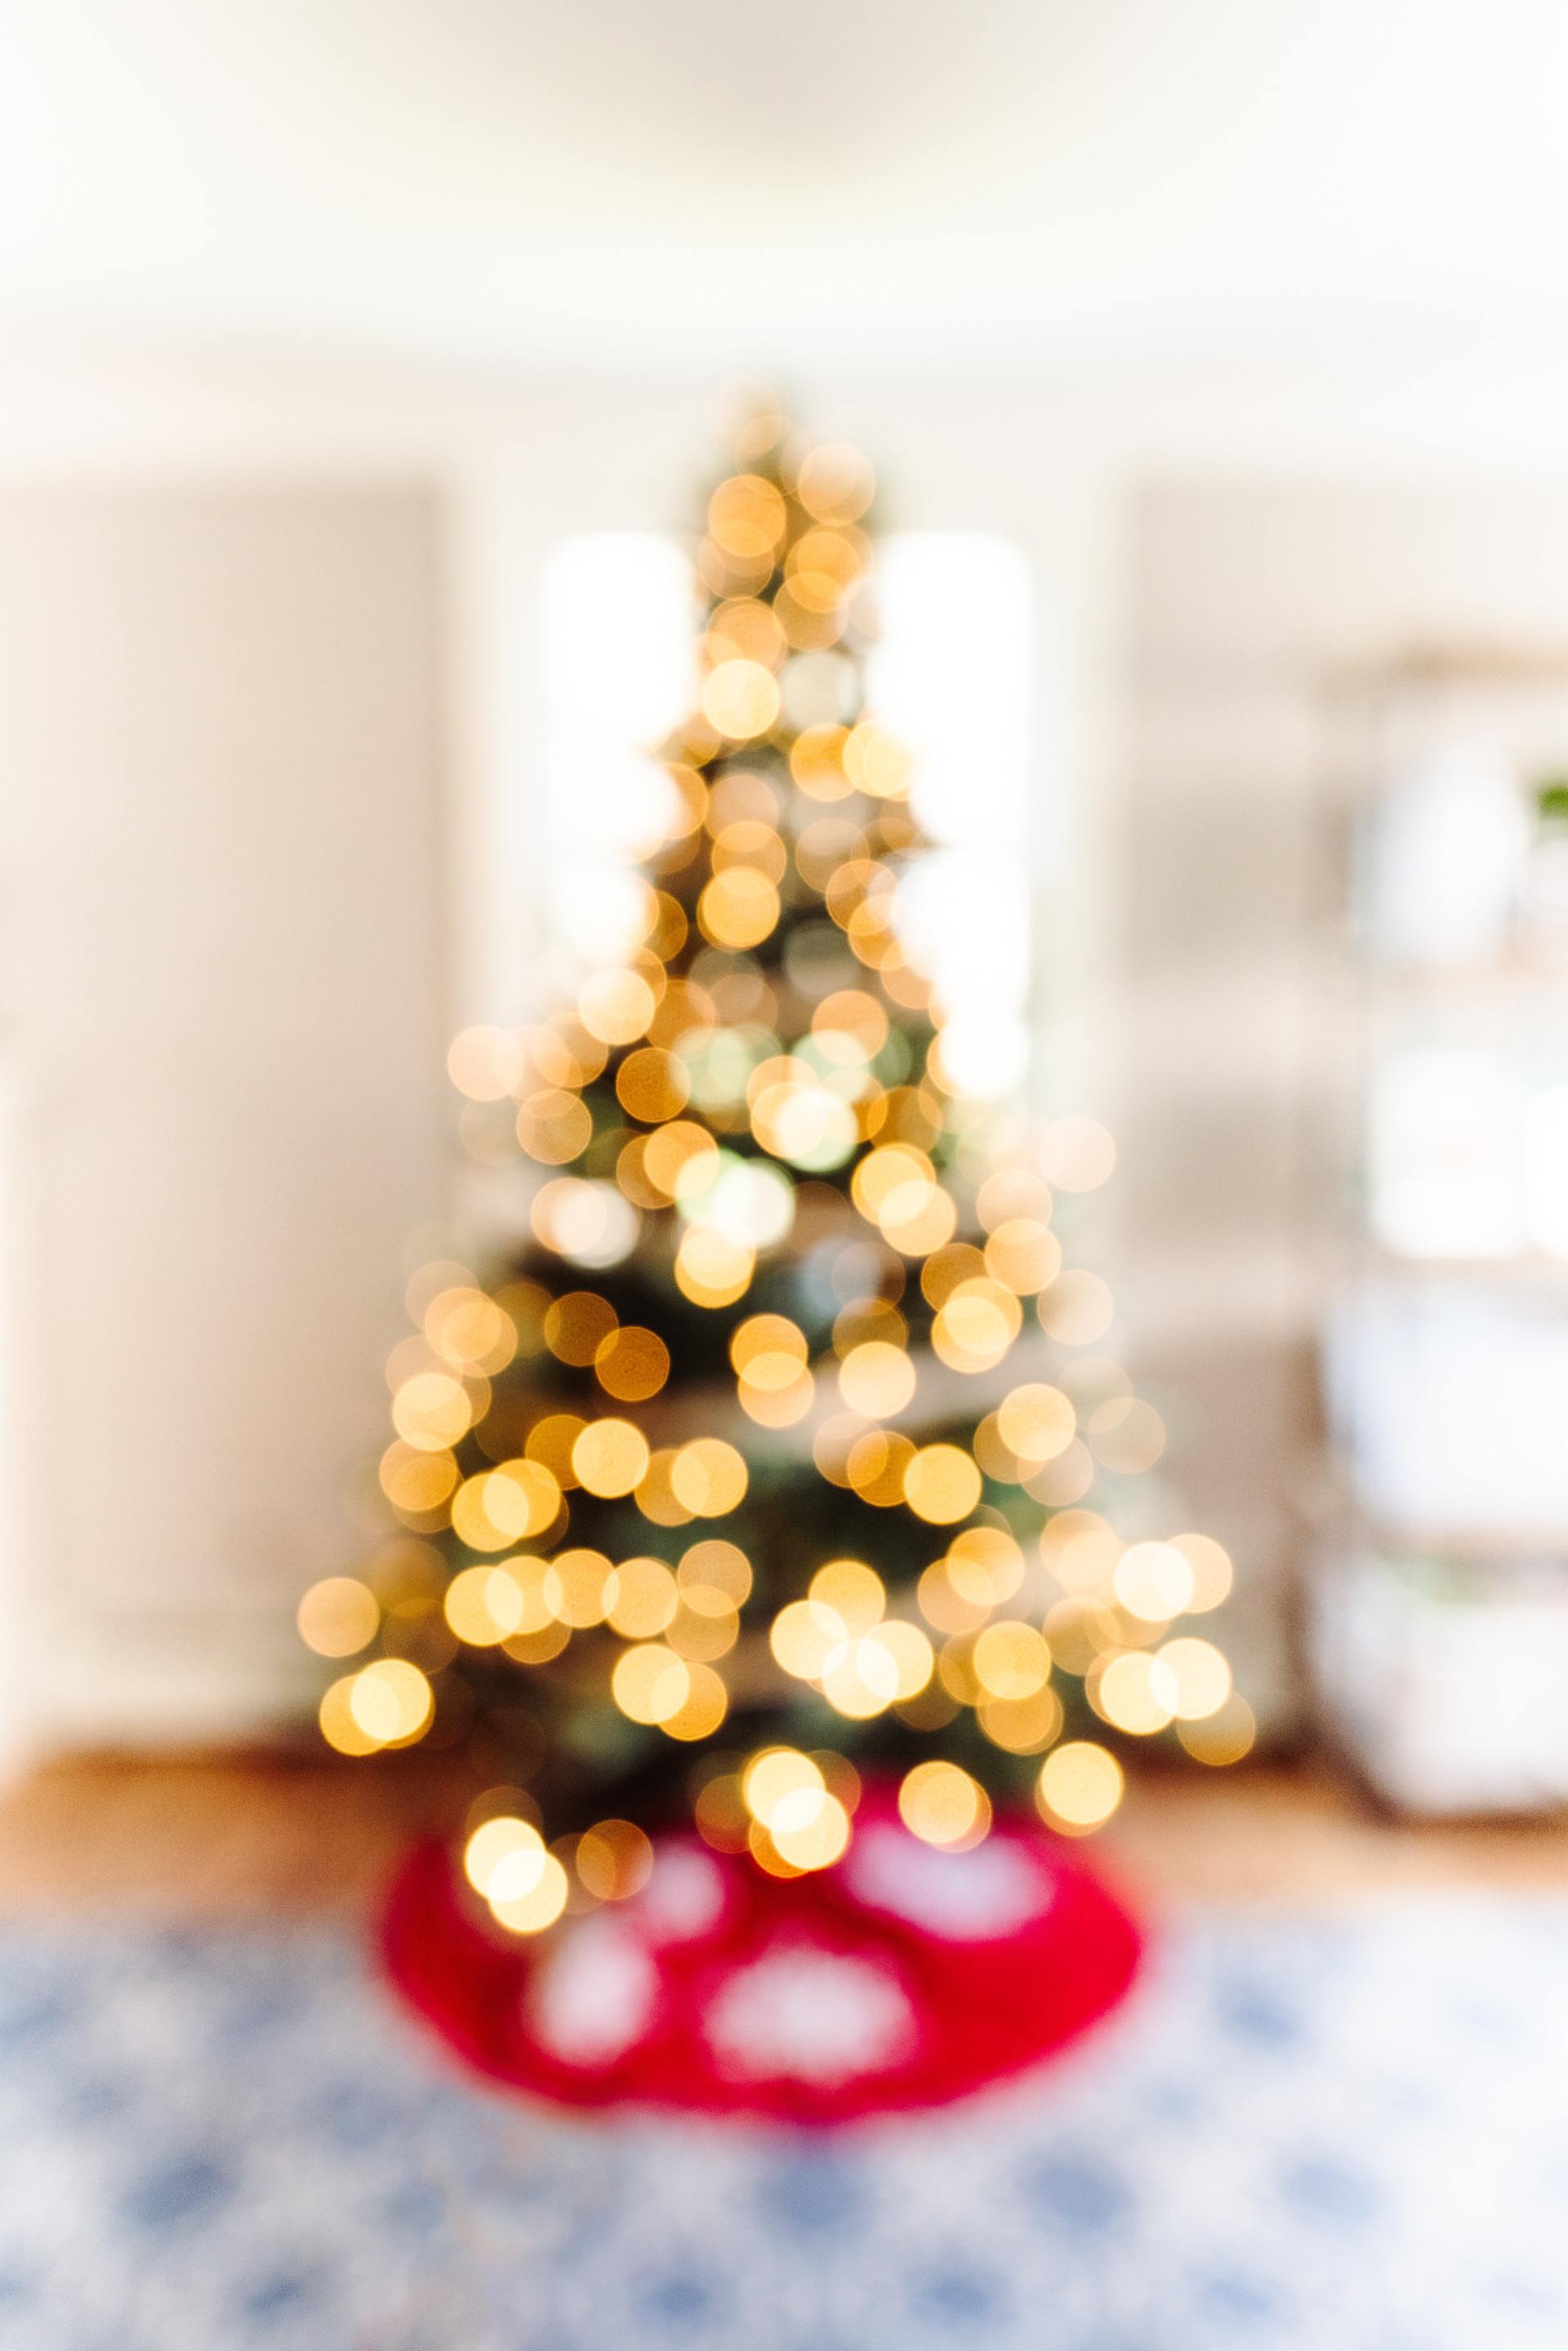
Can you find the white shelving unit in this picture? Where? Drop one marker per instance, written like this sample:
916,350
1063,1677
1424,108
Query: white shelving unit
1436,1610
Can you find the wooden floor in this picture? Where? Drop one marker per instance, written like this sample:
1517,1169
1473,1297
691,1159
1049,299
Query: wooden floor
234,1834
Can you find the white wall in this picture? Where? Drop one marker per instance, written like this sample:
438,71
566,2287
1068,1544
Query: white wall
224,994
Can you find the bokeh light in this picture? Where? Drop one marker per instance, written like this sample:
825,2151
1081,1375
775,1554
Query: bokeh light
1080,1786
614,1859
708,1477
943,1805
339,1616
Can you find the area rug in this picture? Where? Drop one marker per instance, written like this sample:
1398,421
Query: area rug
1347,2132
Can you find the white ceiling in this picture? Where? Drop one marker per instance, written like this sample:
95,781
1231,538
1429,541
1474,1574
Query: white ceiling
663,182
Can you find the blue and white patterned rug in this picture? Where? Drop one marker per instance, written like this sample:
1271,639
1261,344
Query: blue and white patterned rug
1347,2133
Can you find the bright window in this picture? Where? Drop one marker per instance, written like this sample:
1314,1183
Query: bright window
951,676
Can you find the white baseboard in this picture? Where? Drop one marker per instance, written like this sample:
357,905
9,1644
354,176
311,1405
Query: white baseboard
157,1685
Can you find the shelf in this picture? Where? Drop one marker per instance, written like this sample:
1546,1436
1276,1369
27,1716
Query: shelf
1483,1545
1469,664
1506,978
1523,1269
1327,1500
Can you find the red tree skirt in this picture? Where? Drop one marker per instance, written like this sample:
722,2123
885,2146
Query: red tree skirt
902,1977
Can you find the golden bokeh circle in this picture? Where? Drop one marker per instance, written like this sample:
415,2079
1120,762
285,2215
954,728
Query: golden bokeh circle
941,1484
338,1617
610,1456
494,1842
877,1379
944,1805
645,1599
653,1084
702,1709
614,1859
650,1682
531,1912
1080,1786
632,1363
580,1587
391,1701
708,1477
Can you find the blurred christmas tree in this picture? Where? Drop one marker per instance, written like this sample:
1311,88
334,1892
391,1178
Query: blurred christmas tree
773,1455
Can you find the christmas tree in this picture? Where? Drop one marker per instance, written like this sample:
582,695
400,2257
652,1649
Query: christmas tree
774,1457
